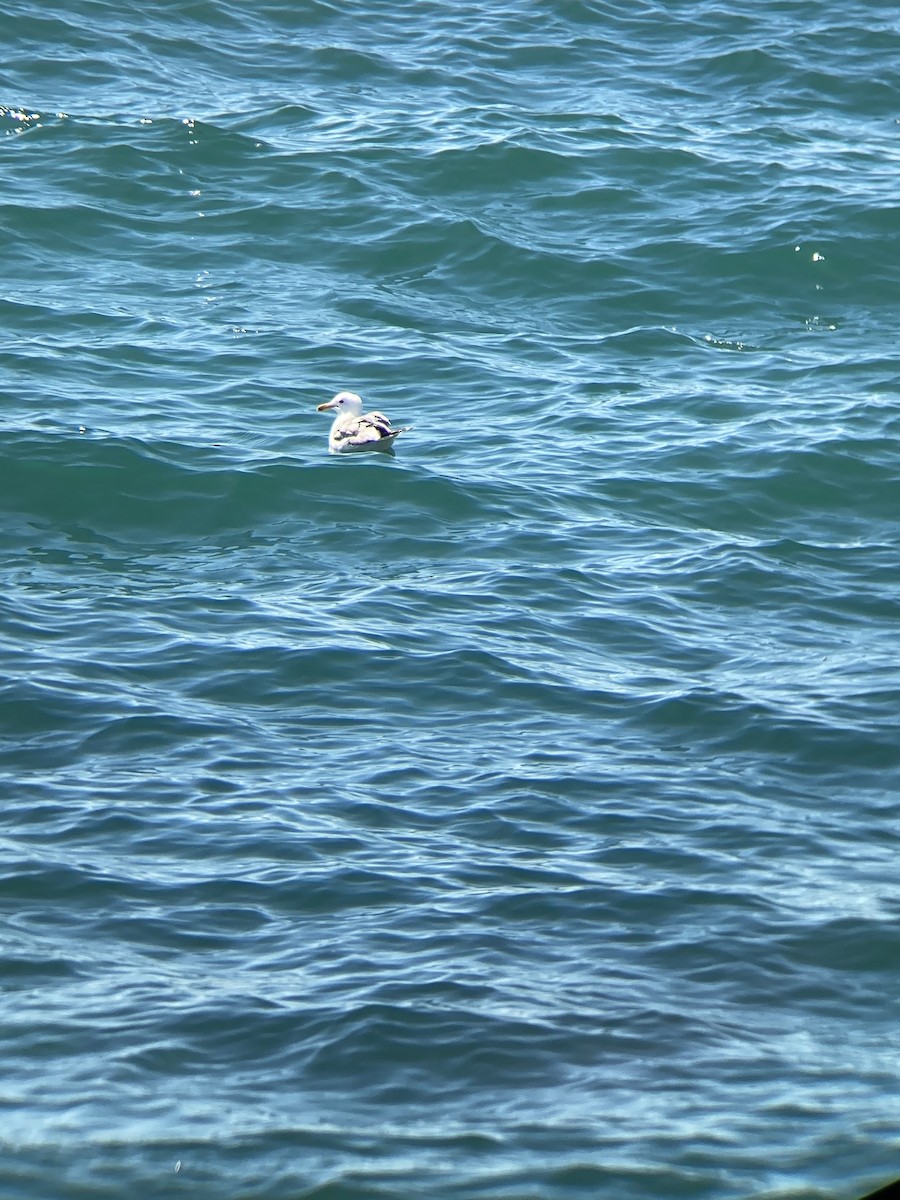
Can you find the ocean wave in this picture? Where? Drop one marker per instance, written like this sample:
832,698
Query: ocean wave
511,815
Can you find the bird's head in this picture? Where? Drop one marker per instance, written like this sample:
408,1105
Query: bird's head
345,403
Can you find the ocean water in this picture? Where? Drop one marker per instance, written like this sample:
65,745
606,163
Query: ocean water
516,817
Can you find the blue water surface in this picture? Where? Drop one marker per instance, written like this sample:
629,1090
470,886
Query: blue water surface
515,816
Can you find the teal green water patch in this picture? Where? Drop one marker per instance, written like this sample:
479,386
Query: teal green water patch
516,814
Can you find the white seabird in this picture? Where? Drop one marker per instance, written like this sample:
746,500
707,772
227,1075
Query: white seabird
355,430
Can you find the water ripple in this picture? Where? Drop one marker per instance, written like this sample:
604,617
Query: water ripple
515,815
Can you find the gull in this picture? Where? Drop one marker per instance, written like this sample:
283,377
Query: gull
355,430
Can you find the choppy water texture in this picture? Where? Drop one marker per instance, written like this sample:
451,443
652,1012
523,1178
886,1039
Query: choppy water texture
515,817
